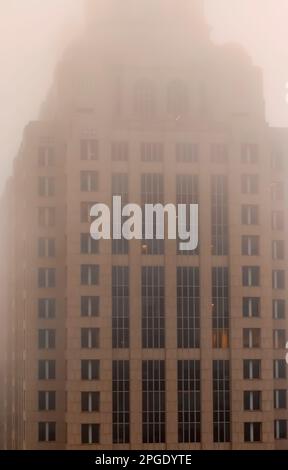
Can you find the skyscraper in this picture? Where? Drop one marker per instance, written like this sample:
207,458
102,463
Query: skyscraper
137,345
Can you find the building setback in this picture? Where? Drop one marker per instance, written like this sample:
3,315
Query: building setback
139,345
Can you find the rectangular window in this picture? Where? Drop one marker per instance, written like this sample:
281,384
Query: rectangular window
252,401
46,278
153,402
249,153
280,399
280,369
46,186
90,369
250,184
46,339
85,209
46,308
280,427
89,181
188,307
152,192
278,220
46,247
46,217
186,152
90,402
187,192
251,307
252,432
89,246
47,432
221,401
90,434
120,187
120,307
121,402
219,205
89,275
250,245
251,338
220,307
250,215
46,401
278,279
219,153
251,369
189,401
46,370
120,151
45,157
278,249
152,152
251,276
90,338
153,307
89,149
277,191
279,339
279,309
90,306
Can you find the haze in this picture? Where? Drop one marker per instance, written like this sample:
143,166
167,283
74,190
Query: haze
33,34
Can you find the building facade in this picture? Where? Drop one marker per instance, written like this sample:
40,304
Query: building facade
137,345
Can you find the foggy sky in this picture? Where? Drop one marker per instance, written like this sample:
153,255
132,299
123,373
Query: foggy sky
33,34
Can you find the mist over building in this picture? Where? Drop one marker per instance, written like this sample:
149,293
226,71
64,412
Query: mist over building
139,345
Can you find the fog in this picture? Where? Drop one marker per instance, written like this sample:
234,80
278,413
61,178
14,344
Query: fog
34,33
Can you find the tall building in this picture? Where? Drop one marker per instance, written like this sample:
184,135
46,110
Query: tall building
137,345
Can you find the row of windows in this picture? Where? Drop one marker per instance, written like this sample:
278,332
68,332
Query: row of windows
90,369
154,151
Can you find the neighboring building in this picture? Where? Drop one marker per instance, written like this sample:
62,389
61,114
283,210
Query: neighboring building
135,345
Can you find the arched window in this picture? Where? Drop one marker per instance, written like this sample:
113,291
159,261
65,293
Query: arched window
178,98
144,99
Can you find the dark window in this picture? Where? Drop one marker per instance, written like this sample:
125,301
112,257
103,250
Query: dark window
250,184
278,279
90,369
279,339
219,204
46,339
153,402
89,149
221,401
89,275
188,307
252,432
252,401
280,427
279,309
90,338
85,209
280,369
153,307
46,278
280,399
220,307
90,434
251,338
89,181
46,370
120,307
189,401
46,308
90,402
251,307
278,249
251,369
89,246
121,402
251,276
46,247
250,215
90,306
47,432
278,220
46,401
250,245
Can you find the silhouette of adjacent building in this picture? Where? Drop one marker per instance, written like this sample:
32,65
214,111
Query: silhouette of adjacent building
137,345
